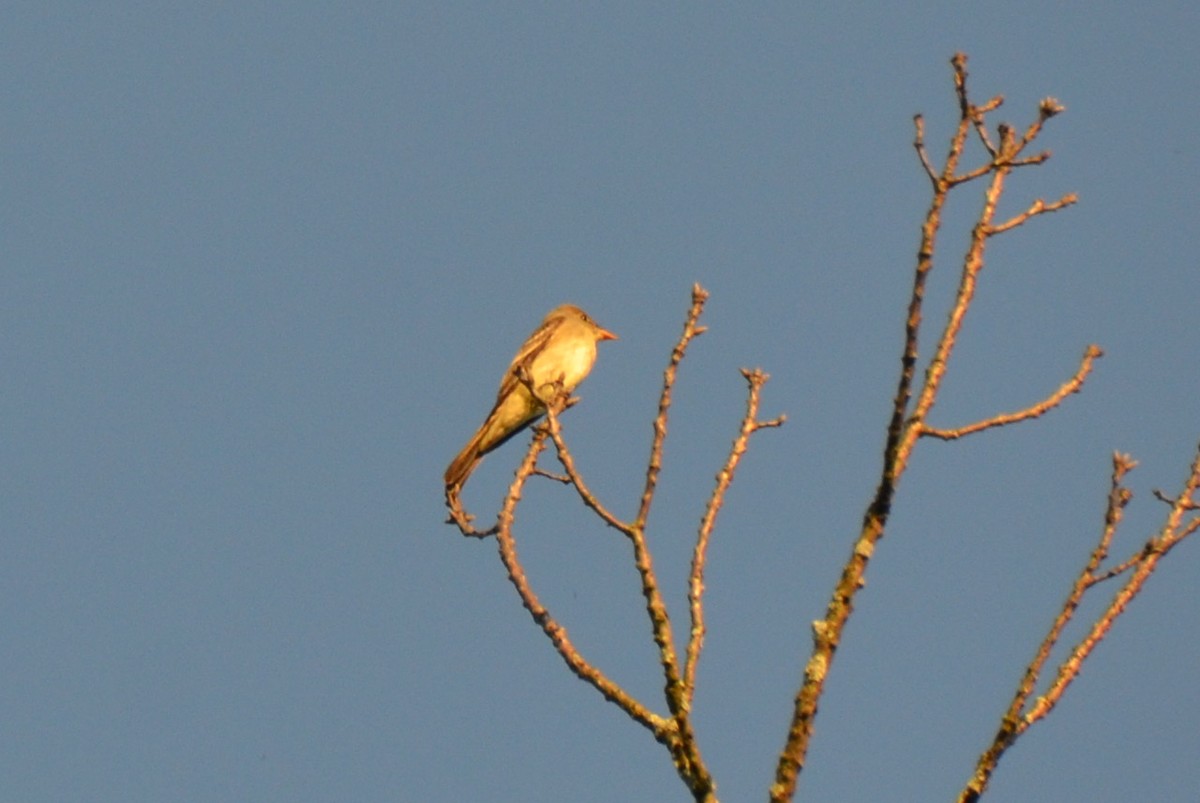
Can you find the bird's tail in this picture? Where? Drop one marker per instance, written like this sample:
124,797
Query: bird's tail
464,463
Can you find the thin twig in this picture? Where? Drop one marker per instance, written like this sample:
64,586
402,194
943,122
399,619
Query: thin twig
1017,719
463,519
1162,497
1173,531
1072,385
922,153
690,330
1011,724
554,427
750,424
1038,207
978,115
1049,107
661,728
550,475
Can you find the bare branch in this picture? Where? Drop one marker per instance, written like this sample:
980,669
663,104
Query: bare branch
1154,549
1162,497
1139,567
690,331
550,475
1072,385
750,424
1116,571
901,436
979,172
908,417
978,113
557,634
676,733
922,153
462,518
1038,207
685,750
1012,723
573,477
1049,107
1036,159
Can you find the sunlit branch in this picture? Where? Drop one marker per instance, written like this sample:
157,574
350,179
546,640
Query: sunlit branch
1072,385
1038,207
1139,567
554,427
750,424
907,422
554,631
691,329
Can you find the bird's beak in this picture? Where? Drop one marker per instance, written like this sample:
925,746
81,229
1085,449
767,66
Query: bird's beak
604,334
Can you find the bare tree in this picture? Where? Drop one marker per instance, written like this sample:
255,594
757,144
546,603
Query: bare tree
1006,151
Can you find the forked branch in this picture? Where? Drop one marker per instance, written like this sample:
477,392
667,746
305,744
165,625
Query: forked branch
675,731
755,379
541,616
1180,523
912,405
1072,385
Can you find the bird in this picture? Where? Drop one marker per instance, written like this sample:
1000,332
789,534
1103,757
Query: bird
561,350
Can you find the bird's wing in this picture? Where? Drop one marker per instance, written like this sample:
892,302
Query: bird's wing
534,345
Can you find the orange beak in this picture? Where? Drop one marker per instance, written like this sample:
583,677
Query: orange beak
604,334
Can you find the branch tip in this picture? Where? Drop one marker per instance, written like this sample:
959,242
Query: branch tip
1050,107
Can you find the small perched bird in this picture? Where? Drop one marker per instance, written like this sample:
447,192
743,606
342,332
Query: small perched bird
562,349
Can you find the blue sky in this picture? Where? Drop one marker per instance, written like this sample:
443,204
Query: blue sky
264,265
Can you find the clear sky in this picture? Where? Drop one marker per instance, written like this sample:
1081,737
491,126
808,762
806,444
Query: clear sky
264,264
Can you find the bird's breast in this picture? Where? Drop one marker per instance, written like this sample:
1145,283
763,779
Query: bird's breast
570,361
